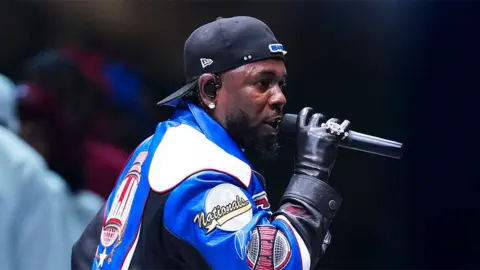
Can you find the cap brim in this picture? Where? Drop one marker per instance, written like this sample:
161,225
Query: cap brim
176,97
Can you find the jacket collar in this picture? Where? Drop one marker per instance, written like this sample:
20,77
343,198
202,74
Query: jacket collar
197,118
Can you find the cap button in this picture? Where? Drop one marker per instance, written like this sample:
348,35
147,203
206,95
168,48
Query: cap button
333,205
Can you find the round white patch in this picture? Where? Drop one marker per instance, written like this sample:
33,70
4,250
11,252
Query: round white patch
231,206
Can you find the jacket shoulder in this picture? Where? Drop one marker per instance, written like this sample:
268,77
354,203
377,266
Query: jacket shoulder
184,151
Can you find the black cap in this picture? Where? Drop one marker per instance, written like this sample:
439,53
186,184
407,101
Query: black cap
222,45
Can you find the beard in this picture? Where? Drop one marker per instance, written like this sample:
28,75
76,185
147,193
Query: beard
255,142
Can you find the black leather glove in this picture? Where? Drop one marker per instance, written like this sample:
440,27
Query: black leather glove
309,202
317,148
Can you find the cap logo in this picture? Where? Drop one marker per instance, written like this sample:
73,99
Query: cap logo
206,62
277,47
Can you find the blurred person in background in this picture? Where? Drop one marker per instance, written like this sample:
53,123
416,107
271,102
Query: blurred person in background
66,115
40,217
123,111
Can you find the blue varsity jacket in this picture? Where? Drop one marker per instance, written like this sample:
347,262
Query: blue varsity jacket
189,199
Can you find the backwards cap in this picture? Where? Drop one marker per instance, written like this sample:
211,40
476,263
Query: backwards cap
222,45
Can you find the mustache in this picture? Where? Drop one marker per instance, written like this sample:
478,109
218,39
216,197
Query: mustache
276,113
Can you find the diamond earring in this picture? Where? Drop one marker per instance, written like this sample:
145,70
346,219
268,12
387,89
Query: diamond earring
211,105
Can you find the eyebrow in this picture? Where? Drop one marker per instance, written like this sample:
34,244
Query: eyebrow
270,73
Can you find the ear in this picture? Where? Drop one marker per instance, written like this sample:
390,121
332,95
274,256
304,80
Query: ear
208,85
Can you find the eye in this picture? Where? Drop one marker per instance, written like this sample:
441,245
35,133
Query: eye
264,84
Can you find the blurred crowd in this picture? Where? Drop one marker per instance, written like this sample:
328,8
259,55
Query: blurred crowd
66,130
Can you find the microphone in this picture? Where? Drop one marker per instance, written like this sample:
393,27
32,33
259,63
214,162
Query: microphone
355,140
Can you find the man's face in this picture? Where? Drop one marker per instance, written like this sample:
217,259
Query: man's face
250,103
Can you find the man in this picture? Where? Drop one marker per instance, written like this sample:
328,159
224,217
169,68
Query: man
189,199
40,218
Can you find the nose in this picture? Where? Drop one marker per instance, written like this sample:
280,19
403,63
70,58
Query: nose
278,99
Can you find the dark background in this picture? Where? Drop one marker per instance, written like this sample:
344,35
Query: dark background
403,70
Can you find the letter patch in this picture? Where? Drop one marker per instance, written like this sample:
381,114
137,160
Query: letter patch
226,208
261,200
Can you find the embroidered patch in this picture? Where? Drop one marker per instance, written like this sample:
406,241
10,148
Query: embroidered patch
268,249
116,222
240,244
261,200
226,208
277,47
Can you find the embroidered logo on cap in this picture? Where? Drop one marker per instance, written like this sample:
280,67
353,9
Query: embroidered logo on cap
277,47
206,62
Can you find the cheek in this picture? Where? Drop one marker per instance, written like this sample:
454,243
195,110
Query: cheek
254,101
247,101
232,101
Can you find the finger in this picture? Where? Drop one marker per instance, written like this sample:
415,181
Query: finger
317,120
345,125
304,116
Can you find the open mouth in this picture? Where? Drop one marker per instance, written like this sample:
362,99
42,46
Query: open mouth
273,124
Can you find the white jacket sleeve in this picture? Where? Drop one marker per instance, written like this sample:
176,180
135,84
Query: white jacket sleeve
41,219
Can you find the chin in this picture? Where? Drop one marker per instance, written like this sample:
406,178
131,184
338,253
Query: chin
259,141
264,147
271,154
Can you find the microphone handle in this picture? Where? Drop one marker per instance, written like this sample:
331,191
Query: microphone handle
371,144
355,140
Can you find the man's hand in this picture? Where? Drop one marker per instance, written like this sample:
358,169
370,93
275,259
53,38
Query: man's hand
317,147
310,204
